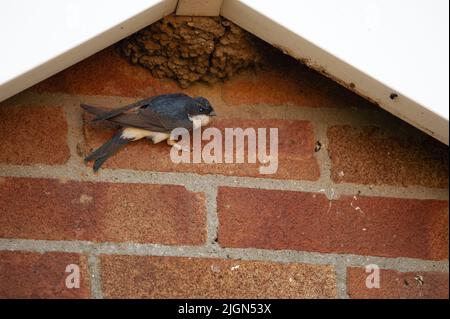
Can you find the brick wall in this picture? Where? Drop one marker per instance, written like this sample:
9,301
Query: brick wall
355,186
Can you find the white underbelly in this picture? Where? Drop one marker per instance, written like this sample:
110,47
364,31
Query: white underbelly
135,134
157,137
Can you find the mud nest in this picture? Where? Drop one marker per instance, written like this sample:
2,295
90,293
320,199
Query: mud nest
190,49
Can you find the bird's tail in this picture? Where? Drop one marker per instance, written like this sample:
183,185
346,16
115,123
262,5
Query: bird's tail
100,155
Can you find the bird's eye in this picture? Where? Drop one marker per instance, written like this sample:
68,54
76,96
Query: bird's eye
201,110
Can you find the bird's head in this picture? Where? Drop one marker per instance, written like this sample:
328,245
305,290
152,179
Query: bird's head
201,106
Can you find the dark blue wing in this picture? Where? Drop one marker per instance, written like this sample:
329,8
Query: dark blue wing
162,113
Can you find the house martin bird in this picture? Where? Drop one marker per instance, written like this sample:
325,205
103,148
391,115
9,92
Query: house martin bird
153,118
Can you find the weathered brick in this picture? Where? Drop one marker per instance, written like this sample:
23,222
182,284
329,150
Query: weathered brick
394,284
106,73
175,277
35,275
296,158
283,80
372,155
374,226
67,210
33,135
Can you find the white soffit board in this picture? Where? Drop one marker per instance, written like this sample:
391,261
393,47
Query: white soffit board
41,38
395,53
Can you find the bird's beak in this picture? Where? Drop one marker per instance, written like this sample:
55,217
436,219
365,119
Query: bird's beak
212,113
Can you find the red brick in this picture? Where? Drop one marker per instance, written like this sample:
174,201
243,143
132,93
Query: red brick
106,73
372,155
285,81
175,277
394,284
296,158
57,210
33,135
35,275
374,226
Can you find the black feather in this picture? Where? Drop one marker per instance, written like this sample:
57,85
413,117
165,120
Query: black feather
108,149
99,162
102,114
161,113
170,106
112,113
